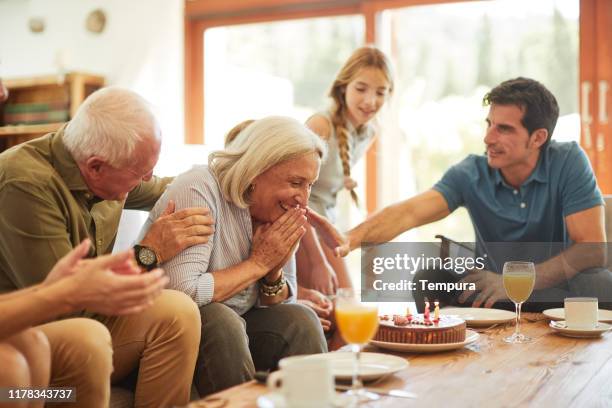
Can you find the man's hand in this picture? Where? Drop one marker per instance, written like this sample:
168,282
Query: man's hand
328,233
95,286
73,261
173,231
490,285
67,265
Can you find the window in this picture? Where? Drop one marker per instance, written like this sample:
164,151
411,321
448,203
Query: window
446,58
278,68
447,55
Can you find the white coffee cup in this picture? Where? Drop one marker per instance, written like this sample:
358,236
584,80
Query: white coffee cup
581,312
303,382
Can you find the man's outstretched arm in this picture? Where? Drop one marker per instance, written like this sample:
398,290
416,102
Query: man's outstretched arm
396,219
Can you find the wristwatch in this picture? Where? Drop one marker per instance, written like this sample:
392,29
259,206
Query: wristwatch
145,257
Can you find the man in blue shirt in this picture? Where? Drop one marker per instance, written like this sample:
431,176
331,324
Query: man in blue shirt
525,189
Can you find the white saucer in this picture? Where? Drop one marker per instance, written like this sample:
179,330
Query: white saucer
559,327
479,316
277,400
559,314
371,365
470,337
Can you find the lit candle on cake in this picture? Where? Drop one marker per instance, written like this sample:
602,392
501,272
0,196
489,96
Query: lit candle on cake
437,311
408,314
426,314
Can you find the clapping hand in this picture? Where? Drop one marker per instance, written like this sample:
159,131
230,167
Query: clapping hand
66,266
109,284
74,260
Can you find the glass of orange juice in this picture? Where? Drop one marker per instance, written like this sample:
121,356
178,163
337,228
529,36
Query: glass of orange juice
519,279
357,323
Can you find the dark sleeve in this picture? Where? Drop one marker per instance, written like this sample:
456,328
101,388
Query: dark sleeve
33,233
450,187
146,194
578,185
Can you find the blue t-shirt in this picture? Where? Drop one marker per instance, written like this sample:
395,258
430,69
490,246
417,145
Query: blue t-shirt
561,184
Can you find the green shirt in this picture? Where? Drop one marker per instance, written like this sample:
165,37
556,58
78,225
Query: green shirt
47,209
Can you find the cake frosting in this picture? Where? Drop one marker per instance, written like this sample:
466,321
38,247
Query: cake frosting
416,329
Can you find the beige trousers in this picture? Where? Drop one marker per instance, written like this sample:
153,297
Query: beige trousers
162,342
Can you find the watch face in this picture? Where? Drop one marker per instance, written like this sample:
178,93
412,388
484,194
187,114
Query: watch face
147,256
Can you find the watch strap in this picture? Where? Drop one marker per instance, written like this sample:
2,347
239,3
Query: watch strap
147,267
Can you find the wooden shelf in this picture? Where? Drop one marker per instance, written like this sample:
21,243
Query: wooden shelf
13,130
52,80
67,91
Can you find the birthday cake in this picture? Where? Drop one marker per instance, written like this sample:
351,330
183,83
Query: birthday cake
420,329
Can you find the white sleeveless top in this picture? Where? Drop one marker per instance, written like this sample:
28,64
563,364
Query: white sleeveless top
331,177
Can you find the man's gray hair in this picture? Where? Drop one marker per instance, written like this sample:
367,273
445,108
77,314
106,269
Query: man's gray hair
261,145
109,124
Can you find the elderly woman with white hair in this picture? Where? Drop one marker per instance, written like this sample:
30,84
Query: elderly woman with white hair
243,279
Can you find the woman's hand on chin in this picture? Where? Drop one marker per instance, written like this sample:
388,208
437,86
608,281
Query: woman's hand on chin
274,243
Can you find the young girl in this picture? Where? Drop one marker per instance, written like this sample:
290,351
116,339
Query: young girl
359,91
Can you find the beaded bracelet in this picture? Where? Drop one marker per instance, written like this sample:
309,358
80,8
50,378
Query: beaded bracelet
274,288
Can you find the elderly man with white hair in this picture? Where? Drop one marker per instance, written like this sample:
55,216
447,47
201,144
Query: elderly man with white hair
243,279
56,191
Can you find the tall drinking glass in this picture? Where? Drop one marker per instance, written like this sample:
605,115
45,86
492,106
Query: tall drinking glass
519,278
357,323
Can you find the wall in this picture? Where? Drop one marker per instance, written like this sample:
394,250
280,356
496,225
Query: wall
141,48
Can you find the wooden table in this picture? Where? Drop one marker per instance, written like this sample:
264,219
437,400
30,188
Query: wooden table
552,371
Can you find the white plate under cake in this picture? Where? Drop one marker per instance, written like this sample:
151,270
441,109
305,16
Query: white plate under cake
415,329
470,337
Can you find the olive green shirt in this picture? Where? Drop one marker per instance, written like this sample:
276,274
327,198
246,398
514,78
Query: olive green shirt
46,209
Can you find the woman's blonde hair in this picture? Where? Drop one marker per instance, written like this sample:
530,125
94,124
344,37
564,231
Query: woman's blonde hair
364,57
259,146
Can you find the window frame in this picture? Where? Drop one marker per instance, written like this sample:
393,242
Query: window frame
201,15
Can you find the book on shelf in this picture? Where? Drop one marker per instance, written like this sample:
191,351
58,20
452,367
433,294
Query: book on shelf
34,113
36,107
32,118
